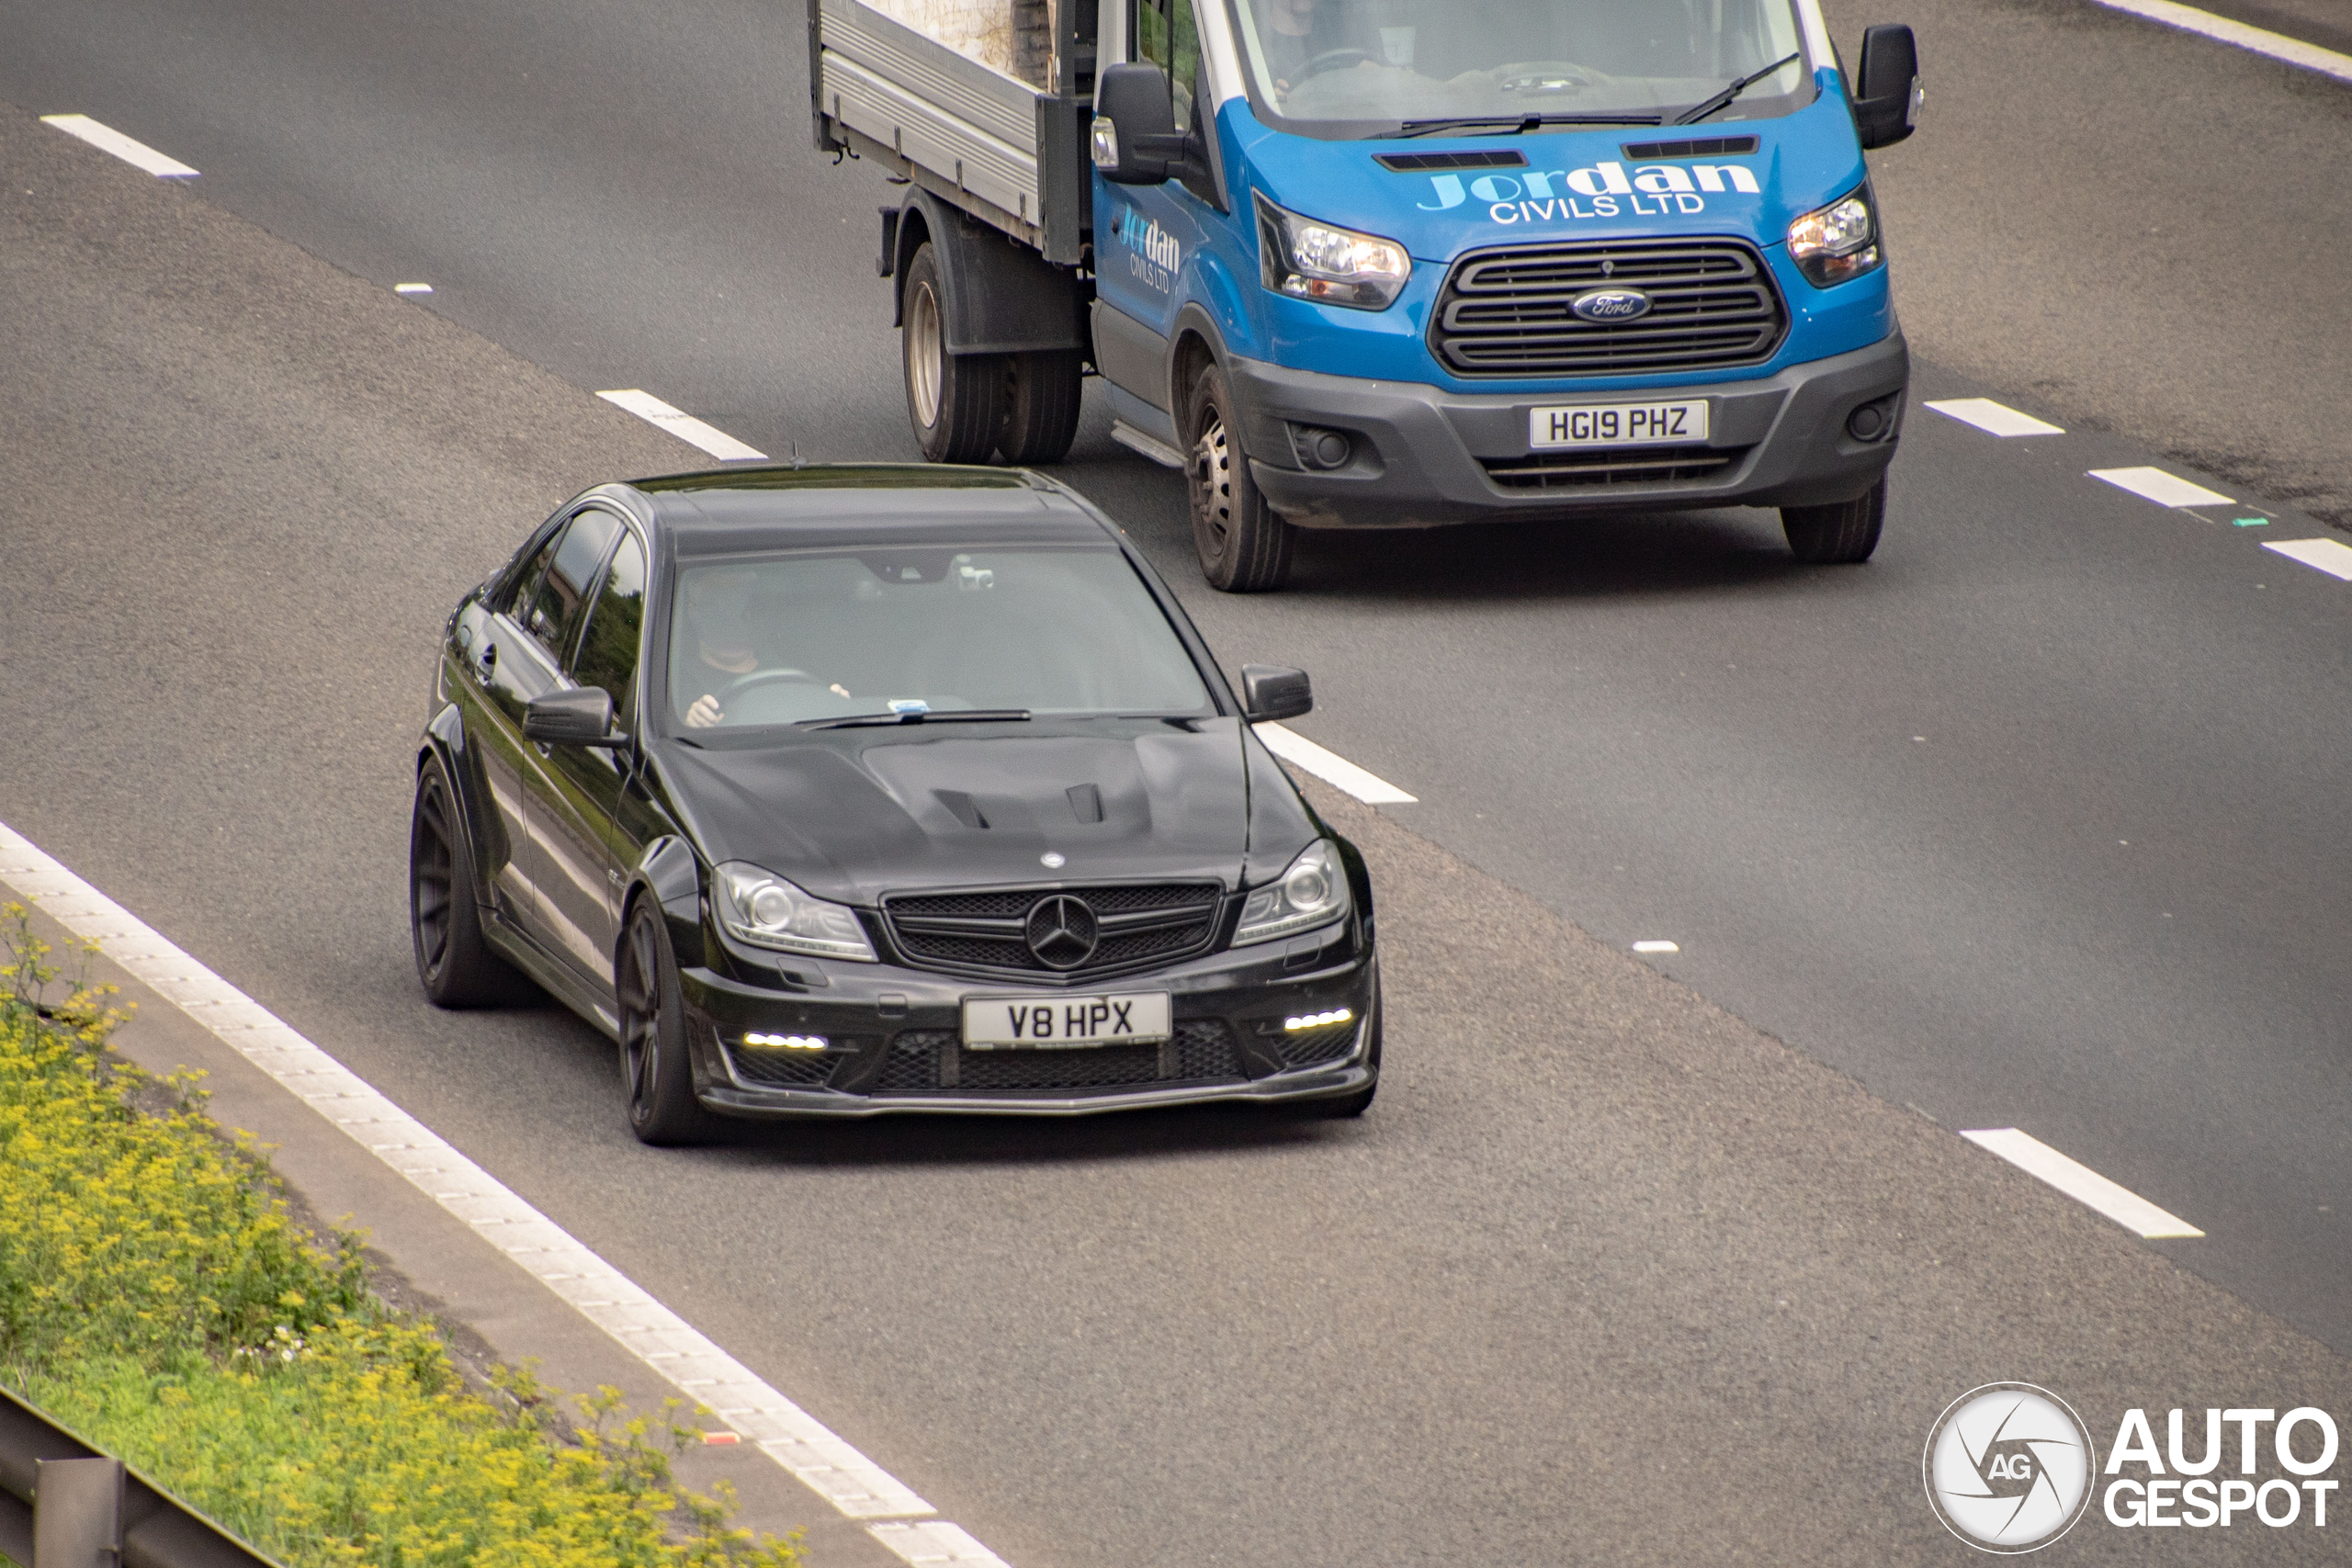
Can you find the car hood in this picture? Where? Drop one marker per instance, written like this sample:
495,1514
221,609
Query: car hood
853,814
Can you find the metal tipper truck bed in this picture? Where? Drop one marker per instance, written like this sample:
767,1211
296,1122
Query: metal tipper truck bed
982,108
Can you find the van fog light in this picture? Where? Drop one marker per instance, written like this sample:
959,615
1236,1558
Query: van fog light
784,1042
1320,1019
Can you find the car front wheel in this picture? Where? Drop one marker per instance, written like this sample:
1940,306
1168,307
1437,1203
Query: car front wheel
655,1072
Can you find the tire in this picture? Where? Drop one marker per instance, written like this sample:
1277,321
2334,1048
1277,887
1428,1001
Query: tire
454,963
656,1074
1041,405
1347,1106
955,401
1243,547
1836,535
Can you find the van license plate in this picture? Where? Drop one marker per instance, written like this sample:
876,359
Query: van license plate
1062,1023
1617,424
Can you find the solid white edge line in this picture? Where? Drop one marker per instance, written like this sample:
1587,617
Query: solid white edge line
2163,489
672,1348
935,1541
1994,419
106,139
684,425
2278,46
1331,767
2081,1183
2330,556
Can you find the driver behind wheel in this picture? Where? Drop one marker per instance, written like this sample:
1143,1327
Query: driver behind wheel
1291,40
720,623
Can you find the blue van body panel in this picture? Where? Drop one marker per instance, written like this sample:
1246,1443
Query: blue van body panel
1162,251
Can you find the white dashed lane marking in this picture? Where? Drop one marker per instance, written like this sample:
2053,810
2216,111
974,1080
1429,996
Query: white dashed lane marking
2083,1184
2163,489
1996,419
2278,46
108,139
1332,768
412,289
1657,947
2329,556
684,425
697,1368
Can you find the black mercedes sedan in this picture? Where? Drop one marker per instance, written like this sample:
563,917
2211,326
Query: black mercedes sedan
837,791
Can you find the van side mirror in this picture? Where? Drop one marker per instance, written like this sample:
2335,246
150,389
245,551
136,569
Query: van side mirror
1135,140
582,717
1271,692
1886,105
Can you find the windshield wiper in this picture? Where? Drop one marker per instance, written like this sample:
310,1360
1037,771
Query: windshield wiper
1699,111
1517,125
919,716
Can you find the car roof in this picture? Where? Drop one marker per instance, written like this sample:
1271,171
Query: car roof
742,510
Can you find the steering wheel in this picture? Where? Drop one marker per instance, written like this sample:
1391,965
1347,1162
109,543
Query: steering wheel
759,678
1331,60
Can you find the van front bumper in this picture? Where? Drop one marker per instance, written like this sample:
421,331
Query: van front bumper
1419,455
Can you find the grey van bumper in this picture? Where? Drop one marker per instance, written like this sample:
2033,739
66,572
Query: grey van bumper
1420,455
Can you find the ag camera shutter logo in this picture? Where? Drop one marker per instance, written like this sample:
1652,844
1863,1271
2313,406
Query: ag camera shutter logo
2008,1467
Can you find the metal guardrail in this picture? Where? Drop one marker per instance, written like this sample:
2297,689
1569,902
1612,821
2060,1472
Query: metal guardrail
65,1504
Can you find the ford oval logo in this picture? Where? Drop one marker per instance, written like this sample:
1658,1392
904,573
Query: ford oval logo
1609,305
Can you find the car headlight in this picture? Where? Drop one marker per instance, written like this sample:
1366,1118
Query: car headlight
1835,243
763,908
1308,260
1313,892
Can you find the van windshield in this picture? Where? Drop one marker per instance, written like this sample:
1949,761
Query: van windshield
1368,68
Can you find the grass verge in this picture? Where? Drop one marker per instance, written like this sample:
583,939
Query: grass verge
155,1297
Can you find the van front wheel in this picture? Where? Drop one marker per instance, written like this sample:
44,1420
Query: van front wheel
1243,546
1841,534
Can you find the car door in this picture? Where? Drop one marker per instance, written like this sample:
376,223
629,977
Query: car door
1145,235
519,657
582,841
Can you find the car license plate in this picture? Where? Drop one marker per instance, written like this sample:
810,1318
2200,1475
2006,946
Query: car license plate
1617,424
1063,1023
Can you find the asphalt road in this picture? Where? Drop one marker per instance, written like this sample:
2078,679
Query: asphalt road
2100,899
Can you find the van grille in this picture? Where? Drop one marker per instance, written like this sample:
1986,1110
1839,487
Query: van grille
1612,465
1505,312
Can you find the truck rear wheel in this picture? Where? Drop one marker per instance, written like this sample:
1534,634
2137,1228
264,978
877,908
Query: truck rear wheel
955,401
1839,534
1243,546
1041,403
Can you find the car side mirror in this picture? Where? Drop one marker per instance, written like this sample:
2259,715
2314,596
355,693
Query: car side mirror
582,717
1271,692
1886,106
1135,140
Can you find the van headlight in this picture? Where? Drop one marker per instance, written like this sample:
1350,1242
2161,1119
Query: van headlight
1308,260
1313,892
763,908
1839,242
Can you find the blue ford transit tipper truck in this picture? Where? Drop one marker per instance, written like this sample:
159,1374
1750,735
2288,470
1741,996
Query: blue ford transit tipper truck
1365,264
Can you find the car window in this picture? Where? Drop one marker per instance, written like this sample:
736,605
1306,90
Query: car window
1052,629
551,612
1167,36
607,655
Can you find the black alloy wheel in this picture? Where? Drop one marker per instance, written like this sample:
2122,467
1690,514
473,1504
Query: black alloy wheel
955,401
1841,534
1243,546
658,1078
455,966
1042,395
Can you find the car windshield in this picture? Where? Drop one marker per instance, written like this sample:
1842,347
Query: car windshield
808,637
1360,68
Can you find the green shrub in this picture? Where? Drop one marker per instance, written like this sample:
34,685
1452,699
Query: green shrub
155,1297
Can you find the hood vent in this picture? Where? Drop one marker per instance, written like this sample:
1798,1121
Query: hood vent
1086,800
962,808
1430,163
1715,147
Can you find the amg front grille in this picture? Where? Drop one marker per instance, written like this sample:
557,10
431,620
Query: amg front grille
1505,312
933,1062
1623,465
1134,926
